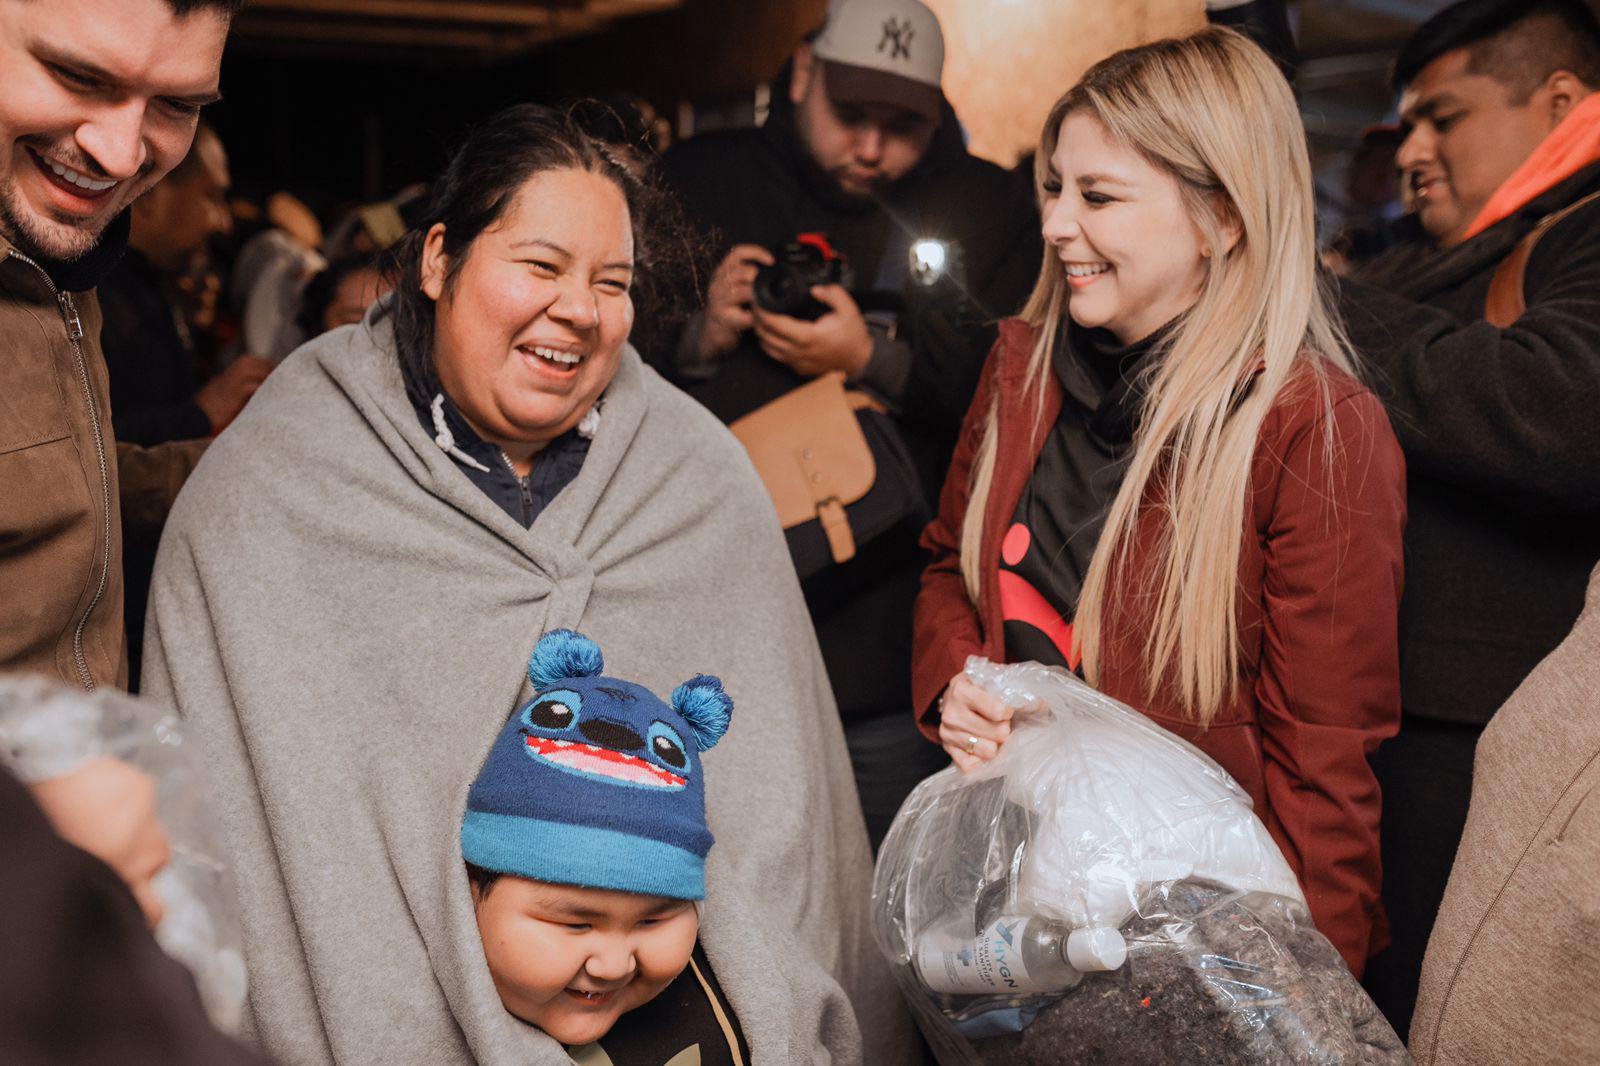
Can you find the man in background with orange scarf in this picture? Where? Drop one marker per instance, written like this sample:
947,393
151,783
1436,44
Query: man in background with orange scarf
1498,411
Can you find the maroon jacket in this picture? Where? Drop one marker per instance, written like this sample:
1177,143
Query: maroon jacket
1320,576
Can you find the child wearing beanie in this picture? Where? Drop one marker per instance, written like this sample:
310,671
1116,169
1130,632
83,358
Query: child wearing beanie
585,841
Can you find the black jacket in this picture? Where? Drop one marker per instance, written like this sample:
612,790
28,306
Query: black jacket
1502,446
154,371
555,466
759,186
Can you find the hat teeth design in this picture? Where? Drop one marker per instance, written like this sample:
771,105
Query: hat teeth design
595,761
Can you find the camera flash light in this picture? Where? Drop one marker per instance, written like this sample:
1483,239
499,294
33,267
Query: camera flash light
928,260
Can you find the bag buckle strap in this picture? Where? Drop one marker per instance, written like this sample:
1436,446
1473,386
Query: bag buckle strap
860,401
830,511
836,525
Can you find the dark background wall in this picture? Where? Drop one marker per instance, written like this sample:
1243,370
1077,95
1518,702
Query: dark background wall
357,123
339,120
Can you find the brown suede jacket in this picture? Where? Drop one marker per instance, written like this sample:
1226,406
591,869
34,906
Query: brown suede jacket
1319,590
66,487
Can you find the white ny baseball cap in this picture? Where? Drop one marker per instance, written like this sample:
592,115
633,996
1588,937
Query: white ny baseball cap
883,52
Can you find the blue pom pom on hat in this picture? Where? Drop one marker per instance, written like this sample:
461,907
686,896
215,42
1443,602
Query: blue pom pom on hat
595,781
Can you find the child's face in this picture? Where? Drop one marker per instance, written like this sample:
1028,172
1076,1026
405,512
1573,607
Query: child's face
572,960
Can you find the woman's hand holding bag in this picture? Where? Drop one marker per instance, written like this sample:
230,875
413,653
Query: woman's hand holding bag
973,724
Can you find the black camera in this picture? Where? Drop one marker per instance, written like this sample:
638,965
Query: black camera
805,262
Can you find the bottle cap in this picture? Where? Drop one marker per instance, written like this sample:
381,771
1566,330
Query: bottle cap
1097,948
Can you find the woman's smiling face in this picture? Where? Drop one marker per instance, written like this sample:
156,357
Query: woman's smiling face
529,331
1132,254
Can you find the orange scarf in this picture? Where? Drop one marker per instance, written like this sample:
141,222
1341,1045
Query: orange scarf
1571,146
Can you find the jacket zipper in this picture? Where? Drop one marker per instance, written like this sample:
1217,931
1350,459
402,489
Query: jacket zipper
524,488
69,317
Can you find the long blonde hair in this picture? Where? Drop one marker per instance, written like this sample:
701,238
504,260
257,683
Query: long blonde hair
1214,112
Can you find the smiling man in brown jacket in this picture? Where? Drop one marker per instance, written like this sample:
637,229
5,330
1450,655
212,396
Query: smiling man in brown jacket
99,101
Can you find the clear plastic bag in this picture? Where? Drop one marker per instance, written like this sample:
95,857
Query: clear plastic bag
48,730
1101,892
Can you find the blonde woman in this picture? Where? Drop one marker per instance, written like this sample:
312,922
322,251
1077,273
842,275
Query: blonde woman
1170,478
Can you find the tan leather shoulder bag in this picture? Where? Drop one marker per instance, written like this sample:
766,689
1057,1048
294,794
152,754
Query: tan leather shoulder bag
810,452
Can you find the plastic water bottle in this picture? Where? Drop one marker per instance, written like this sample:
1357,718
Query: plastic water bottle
1016,955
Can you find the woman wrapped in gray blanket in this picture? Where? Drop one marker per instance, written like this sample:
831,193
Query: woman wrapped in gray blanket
349,584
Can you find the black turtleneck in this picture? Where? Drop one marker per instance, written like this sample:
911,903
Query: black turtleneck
86,271
1058,520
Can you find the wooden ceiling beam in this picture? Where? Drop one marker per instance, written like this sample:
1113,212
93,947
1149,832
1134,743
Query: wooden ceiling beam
467,38
418,10
616,9
469,11
488,27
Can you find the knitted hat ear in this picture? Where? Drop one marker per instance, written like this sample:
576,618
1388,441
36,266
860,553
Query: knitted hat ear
705,706
562,654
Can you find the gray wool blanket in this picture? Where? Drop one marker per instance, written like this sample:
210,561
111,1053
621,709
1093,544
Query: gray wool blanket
344,620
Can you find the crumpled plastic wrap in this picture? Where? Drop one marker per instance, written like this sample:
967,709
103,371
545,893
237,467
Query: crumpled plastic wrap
48,730
1101,892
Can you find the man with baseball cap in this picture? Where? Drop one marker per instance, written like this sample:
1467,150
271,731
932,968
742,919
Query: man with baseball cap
874,70
868,50
862,148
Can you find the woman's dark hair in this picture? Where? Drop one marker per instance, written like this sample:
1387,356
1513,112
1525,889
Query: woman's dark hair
480,184
621,119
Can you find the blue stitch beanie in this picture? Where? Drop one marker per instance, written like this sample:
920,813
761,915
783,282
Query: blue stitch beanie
595,782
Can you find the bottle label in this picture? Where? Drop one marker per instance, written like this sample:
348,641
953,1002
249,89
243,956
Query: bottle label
990,964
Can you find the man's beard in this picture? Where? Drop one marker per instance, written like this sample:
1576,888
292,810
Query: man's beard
854,191
43,240
872,192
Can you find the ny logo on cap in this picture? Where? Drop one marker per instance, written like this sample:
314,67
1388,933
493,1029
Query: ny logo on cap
897,34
